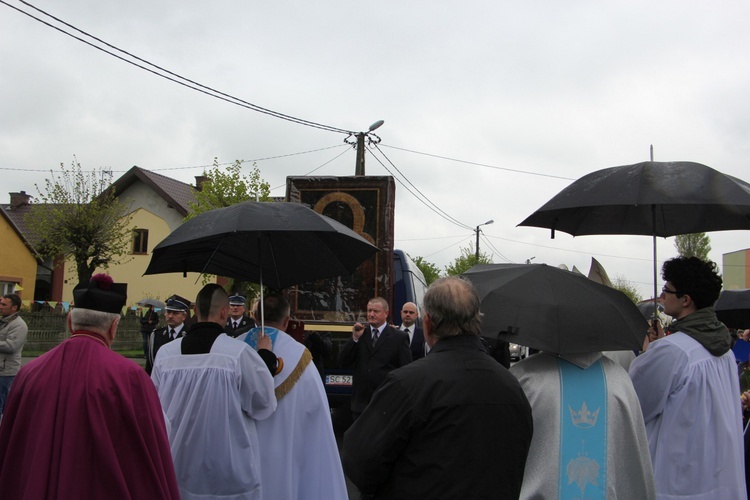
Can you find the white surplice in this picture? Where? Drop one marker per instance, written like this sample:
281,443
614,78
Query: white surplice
300,459
691,405
212,402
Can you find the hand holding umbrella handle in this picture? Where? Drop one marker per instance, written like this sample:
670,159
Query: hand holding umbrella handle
264,341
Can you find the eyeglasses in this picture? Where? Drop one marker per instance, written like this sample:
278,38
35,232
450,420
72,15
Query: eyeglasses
664,289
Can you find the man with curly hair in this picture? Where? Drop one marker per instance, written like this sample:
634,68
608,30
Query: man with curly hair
689,391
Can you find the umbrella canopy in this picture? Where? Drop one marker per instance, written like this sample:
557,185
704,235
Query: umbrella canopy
553,310
733,308
275,244
151,302
649,198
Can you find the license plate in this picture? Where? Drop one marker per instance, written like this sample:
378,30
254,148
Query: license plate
338,379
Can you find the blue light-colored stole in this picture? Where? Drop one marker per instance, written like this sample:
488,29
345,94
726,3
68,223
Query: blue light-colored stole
583,431
252,336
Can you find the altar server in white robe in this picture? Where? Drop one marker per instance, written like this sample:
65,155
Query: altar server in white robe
213,390
589,437
689,390
298,449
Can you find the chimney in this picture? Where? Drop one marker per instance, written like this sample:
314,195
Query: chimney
200,180
18,200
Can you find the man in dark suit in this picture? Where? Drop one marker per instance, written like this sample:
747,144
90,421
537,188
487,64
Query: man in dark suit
177,311
373,351
409,315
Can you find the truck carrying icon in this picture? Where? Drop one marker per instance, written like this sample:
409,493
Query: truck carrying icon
330,307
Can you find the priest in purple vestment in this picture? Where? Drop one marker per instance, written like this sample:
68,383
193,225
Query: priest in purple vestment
82,421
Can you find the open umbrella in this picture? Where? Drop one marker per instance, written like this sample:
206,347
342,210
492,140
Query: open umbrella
733,308
158,304
647,309
649,198
281,243
554,310
273,244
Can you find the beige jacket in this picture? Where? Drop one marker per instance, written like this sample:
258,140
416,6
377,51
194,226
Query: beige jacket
13,332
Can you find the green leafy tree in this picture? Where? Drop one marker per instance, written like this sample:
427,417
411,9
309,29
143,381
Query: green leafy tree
226,186
627,287
693,245
81,218
429,270
466,261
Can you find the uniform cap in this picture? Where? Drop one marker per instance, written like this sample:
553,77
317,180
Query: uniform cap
177,303
237,300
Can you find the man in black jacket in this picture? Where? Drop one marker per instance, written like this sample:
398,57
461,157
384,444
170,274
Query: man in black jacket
373,351
409,326
454,424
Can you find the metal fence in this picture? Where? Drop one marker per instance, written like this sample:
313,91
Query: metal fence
46,330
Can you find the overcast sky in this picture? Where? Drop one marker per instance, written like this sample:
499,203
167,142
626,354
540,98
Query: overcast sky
527,95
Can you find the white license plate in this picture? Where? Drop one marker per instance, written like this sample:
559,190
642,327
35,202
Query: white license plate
338,379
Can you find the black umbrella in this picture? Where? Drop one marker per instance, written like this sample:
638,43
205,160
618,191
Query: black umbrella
649,198
647,309
554,310
733,308
275,244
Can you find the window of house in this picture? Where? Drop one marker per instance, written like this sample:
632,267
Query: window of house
140,241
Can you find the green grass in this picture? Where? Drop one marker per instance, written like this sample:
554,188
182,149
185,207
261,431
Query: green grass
132,353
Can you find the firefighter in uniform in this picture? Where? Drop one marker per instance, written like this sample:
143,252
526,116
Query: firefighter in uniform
238,322
177,311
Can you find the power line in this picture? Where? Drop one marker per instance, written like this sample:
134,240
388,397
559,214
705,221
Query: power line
492,247
426,198
317,168
203,166
449,246
424,201
479,164
568,250
190,83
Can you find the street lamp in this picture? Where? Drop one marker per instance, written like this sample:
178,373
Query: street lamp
477,231
359,168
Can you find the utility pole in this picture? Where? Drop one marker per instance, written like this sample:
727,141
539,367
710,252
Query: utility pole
360,166
359,143
477,231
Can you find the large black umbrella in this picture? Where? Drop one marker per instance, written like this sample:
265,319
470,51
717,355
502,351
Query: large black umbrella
649,198
274,244
733,308
554,310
